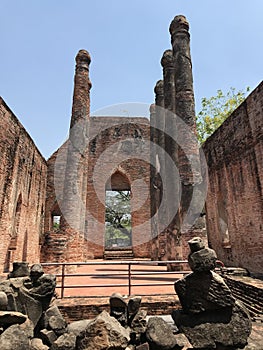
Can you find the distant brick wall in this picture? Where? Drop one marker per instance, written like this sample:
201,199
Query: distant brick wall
22,192
234,203
117,146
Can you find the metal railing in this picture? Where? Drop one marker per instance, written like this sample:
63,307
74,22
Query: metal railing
129,274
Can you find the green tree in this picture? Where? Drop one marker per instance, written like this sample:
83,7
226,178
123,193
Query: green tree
216,109
118,218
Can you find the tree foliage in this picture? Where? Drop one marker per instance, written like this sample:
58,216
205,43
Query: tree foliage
118,218
216,109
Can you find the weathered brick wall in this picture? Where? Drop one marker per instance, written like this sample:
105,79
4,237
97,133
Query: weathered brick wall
117,145
234,202
54,242
22,192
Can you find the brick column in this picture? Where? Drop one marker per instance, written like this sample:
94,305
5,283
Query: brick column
189,162
74,195
82,86
171,158
160,170
159,127
167,63
153,186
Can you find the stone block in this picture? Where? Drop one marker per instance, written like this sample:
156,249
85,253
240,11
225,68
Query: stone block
104,332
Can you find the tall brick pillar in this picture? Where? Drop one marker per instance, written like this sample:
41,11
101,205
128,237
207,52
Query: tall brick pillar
154,190
159,131
174,250
160,180
188,154
75,185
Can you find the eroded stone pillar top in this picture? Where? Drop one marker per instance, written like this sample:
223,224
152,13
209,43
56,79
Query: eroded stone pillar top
158,89
83,58
167,59
159,94
179,24
82,86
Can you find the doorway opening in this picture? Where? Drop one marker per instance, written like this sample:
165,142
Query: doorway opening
118,230
118,216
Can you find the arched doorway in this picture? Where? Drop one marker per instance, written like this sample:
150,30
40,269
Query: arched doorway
118,218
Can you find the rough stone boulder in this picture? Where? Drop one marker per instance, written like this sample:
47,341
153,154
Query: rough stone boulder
52,311
221,329
202,260
20,269
8,318
103,333
28,292
133,306
65,342
48,336
3,301
211,317
77,327
58,325
203,291
144,346
160,335
37,344
17,336
138,327
119,308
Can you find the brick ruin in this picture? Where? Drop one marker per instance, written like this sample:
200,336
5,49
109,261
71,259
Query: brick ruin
234,203
23,177
158,160
174,132
121,139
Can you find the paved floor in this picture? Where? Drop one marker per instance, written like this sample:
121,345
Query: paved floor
103,280
255,341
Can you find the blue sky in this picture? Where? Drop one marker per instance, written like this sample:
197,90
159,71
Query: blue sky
126,39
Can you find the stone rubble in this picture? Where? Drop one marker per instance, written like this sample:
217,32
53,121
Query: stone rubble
105,332
160,335
211,317
29,319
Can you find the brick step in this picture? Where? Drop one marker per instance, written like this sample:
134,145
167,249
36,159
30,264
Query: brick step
247,301
120,254
253,297
252,309
248,298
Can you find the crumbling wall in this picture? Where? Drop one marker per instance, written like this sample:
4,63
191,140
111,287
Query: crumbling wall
234,204
22,192
116,145
54,241
119,145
